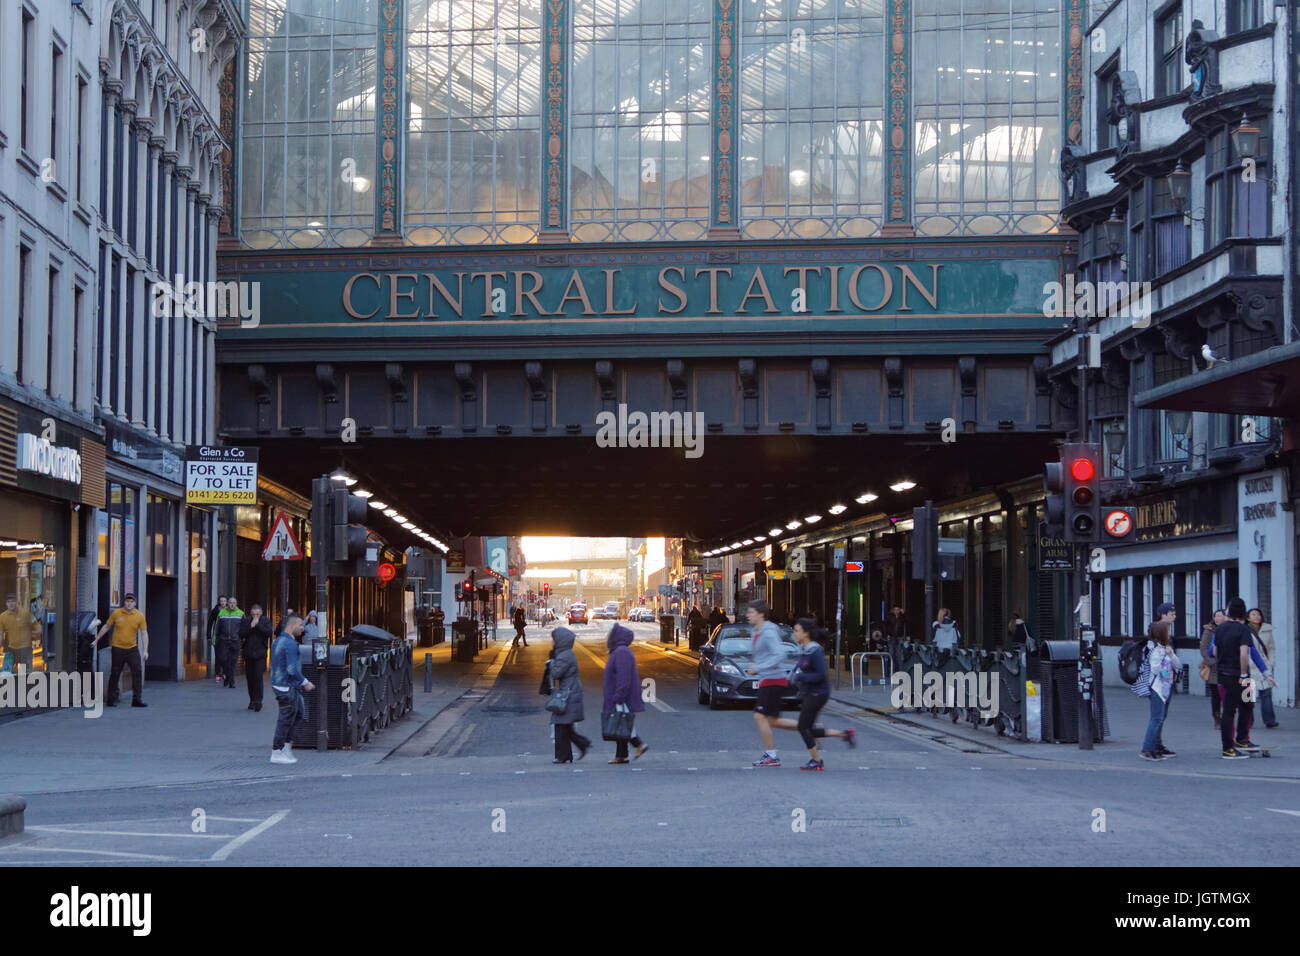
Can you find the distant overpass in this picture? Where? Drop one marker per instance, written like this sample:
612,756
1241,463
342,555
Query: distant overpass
578,564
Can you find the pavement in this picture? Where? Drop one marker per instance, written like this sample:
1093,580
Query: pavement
197,731
469,779
1189,731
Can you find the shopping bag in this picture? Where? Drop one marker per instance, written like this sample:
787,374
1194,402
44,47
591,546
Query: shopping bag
616,725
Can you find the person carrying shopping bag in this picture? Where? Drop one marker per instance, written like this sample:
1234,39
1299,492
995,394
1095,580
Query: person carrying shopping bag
622,694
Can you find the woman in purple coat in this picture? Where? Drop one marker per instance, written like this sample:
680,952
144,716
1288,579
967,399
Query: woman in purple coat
623,686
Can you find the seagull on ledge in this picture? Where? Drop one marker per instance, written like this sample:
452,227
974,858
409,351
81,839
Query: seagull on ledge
1209,356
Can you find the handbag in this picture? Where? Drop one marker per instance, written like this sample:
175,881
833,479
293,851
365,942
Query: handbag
545,688
558,702
617,724
1205,672
7,667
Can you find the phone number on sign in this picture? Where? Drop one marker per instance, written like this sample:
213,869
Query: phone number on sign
220,497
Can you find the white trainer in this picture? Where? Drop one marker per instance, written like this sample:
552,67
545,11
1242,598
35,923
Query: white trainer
282,756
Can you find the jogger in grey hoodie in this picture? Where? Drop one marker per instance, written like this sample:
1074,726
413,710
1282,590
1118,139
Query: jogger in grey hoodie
770,666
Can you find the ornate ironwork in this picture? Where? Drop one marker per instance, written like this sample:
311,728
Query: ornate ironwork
1074,71
898,158
726,108
389,138
555,224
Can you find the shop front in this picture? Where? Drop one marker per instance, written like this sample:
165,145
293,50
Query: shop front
150,544
1187,553
51,478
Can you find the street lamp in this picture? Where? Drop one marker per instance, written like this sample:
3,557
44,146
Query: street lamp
1245,138
1115,435
1179,422
1180,186
1114,229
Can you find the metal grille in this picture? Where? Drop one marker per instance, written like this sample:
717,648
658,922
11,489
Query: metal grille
93,486
9,446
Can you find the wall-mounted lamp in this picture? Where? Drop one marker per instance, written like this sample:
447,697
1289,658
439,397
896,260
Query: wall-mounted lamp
1179,422
1180,186
1114,229
1245,139
1115,435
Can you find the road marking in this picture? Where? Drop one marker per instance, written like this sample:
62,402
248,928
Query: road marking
666,708
191,836
1294,813
51,849
243,838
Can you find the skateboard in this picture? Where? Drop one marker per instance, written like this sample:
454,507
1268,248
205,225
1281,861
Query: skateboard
1255,751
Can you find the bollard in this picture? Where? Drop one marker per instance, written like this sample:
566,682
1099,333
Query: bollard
428,673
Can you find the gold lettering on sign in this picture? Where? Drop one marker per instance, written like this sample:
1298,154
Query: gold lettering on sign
835,288
394,294
609,295
803,276
347,295
487,289
884,277
530,294
712,273
436,284
909,278
768,305
677,291
580,296
1158,515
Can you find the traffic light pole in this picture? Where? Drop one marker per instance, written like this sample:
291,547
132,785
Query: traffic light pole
1081,583
322,538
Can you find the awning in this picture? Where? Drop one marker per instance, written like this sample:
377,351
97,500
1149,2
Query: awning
1263,383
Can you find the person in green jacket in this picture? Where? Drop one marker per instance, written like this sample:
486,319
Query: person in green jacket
228,620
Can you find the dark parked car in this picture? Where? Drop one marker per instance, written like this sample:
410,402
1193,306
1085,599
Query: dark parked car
725,661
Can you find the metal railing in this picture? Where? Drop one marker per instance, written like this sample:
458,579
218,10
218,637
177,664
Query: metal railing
858,668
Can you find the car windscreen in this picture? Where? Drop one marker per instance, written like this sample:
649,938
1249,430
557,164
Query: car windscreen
732,640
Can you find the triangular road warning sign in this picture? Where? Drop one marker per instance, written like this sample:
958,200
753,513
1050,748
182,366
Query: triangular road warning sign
281,545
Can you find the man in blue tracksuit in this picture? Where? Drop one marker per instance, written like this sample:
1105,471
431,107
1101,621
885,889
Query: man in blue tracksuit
812,677
288,683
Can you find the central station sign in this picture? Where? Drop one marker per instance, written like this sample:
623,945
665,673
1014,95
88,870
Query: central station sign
609,291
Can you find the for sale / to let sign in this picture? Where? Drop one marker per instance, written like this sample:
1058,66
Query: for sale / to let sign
220,476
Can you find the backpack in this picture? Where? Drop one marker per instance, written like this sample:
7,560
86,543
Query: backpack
1132,660
1142,686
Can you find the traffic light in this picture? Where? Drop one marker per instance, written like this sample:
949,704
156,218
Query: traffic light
1054,506
467,590
546,590
1082,472
350,554
925,541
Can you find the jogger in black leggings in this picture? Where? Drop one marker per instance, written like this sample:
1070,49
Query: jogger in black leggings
813,679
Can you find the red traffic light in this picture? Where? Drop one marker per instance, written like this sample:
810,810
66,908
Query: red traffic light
1082,469
387,572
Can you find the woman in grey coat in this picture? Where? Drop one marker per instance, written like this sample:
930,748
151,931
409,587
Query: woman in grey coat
566,679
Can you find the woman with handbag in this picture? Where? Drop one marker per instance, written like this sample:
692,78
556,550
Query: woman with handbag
622,695
565,702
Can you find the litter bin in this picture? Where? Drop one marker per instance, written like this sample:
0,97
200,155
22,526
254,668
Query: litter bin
1058,669
328,681
464,634
667,625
